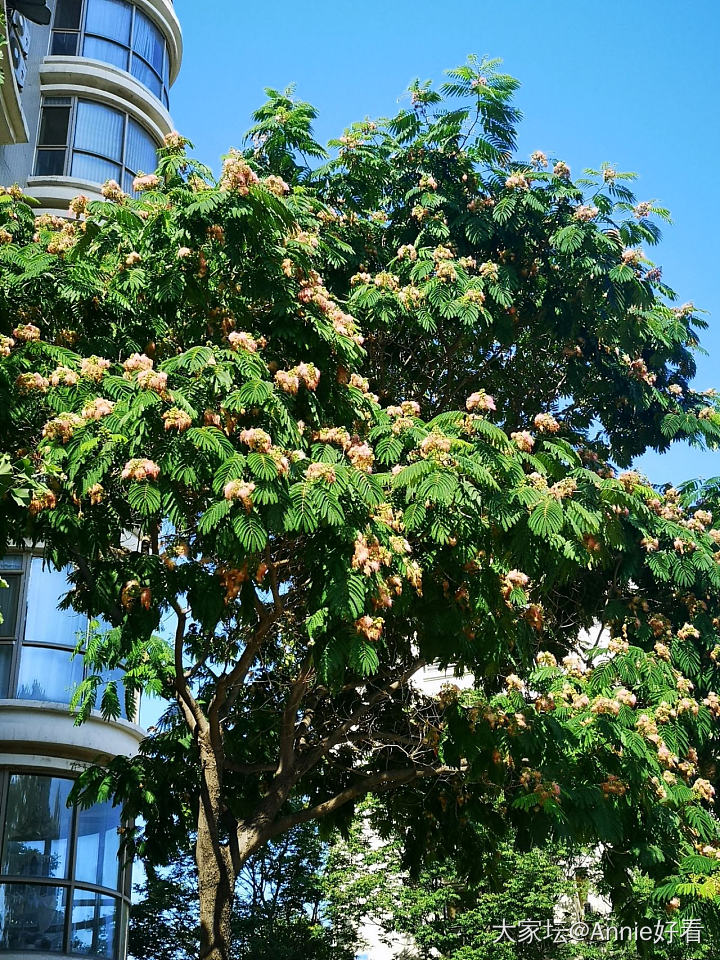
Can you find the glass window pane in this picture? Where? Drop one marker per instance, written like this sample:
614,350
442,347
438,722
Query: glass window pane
141,152
54,126
49,676
99,129
50,163
64,44
94,924
98,842
32,917
94,169
45,623
12,562
67,14
37,827
9,597
109,18
6,651
148,41
146,76
107,51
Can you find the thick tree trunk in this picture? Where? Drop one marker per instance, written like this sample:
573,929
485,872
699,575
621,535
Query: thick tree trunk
217,872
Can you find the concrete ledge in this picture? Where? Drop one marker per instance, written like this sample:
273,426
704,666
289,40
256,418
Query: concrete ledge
28,727
55,193
95,80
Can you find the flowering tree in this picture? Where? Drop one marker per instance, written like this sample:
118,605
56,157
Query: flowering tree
340,428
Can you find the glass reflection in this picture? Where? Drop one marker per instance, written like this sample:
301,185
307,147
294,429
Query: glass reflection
37,827
32,917
49,676
5,664
94,924
97,846
45,622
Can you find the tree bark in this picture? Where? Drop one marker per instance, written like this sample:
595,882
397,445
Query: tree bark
217,873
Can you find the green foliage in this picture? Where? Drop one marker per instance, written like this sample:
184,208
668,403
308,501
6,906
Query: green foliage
332,424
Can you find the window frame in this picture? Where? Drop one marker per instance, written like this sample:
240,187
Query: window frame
81,33
121,895
70,150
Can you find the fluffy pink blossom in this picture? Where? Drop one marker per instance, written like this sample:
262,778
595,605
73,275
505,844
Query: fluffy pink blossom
240,340
26,332
140,469
256,439
523,440
480,401
98,408
94,368
148,181
64,377
240,490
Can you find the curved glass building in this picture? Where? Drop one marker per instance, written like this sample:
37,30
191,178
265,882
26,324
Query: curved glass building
85,94
84,99
64,888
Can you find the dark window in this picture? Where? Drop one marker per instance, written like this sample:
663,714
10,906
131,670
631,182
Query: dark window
64,44
54,125
9,600
67,14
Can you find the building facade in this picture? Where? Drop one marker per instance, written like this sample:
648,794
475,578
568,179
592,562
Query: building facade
85,95
84,99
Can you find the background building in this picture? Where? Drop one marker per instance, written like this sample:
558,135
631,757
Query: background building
85,95
84,99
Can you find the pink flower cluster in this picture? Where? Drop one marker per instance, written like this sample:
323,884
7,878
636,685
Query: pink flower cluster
480,401
62,427
275,185
32,383
6,345
257,440
240,340
136,363
111,190
26,332
177,419
321,471
546,423
152,380
240,490
98,408
140,469
523,440
370,627
237,174
147,181
289,380
94,368
64,377
361,456
78,205
369,556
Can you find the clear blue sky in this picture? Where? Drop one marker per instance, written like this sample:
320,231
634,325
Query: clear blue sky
633,82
